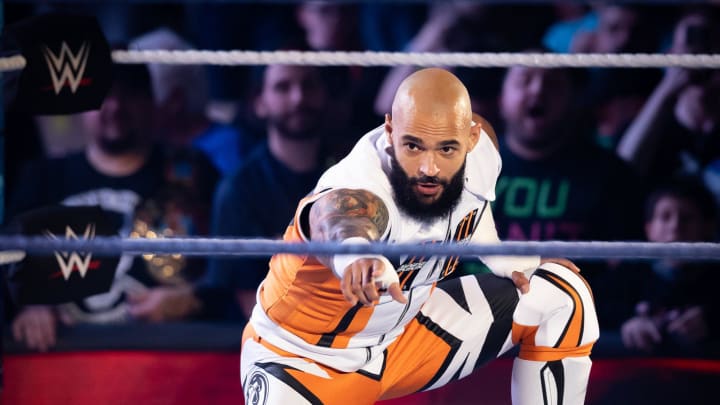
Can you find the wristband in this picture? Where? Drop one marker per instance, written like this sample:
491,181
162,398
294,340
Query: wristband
388,277
341,261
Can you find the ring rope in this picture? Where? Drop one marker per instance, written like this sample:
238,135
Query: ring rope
267,247
369,58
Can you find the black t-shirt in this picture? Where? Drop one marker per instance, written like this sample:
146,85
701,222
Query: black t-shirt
580,193
72,180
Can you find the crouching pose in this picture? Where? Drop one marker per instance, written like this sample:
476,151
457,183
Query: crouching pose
357,329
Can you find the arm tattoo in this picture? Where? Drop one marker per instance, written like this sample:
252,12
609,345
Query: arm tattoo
345,213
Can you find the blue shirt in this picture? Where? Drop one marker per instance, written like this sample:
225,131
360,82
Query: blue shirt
257,201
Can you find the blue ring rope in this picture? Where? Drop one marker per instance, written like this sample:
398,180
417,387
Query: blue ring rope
266,247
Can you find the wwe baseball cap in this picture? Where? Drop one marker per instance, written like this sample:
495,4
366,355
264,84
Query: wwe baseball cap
68,64
62,276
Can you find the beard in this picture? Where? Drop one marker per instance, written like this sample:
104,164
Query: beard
408,201
310,131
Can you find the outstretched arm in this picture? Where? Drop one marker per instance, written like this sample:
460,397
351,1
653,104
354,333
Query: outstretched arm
355,216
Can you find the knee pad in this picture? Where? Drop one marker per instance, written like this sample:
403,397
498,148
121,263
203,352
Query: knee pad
556,318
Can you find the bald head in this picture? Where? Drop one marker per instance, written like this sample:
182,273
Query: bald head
434,94
430,134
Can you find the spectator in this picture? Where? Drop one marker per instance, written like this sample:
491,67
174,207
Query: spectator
556,184
181,96
329,26
620,28
678,129
441,32
119,170
259,199
677,312
616,95
468,26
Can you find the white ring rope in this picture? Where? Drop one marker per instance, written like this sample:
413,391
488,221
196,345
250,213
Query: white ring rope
267,247
368,58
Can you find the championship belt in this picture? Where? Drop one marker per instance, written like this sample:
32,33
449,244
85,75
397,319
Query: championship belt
162,217
176,210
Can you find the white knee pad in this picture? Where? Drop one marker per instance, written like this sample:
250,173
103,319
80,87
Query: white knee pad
560,305
556,324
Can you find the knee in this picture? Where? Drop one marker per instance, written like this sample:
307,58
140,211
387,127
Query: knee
558,311
564,273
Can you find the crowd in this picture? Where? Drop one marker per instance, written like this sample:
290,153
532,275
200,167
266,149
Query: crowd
587,154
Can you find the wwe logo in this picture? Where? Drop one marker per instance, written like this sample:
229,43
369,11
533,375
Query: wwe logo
69,261
67,67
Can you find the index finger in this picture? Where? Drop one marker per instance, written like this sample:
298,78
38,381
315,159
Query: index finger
396,293
346,286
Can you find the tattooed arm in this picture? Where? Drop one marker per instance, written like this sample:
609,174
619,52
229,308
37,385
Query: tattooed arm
343,214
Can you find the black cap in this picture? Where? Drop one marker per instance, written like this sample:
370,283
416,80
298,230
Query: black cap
68,64
62,276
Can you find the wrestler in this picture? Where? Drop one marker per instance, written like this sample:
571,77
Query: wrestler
361,328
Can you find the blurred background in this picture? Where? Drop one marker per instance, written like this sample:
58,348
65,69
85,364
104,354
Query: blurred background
613,154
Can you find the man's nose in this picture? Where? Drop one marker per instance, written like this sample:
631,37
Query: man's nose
428,165
110,105
537,85
298,95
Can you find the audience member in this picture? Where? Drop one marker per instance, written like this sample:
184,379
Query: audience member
677,311
469,26
616,95
440,33
329,26
678,129
620,28
555,183
181,97
119,170
259,199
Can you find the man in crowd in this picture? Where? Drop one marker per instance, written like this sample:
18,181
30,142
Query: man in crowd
119,170
259,198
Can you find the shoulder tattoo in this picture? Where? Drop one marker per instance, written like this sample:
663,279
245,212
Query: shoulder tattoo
345,213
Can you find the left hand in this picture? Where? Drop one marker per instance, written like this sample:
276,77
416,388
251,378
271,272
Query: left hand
521,281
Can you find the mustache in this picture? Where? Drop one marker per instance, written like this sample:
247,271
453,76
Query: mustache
302,110
427,180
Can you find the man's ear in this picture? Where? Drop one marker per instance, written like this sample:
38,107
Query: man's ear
388,128
482,125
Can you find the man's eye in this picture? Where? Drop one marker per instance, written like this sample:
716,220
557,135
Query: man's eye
412,146
447,150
